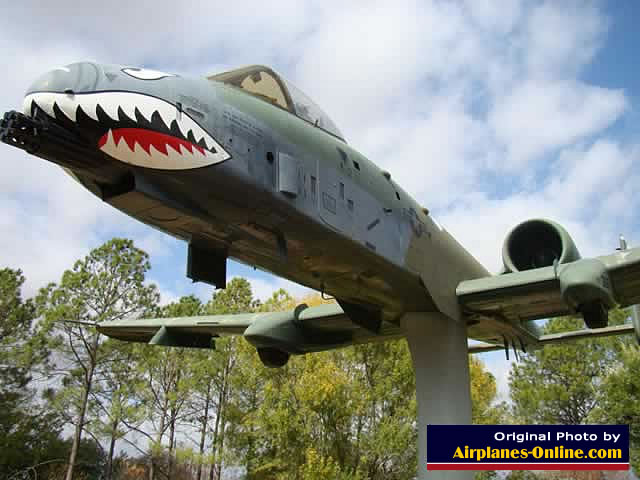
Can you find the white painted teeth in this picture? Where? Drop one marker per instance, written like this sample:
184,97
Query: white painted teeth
146,105
172,160
110,102
68,105
90,106
45,103
129,110
111,109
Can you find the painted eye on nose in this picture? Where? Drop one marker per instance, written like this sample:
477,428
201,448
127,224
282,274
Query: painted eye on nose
146,74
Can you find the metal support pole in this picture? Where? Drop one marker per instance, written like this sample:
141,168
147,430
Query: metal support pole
438,346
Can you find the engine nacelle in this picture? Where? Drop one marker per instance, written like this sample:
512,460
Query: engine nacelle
584,285
537,243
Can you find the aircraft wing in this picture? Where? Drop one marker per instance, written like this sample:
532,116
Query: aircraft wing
575,287
200,330
503,304
554,291
301,330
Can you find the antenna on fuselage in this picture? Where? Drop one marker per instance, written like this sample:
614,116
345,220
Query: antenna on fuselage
623,243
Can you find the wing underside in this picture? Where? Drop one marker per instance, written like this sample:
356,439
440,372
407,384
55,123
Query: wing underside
304,329
500,308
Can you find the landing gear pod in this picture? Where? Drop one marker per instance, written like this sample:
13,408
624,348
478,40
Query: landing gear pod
272,357
585,286
278,335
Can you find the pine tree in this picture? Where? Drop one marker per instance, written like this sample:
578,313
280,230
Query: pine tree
108,284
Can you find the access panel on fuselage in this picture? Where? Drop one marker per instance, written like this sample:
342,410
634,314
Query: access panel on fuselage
345,205
336,200
289,175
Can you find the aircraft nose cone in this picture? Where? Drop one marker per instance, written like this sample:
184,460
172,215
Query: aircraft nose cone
74,78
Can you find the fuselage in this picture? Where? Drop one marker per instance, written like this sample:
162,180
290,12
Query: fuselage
207,162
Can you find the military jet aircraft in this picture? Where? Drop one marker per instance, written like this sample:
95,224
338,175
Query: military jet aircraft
244,165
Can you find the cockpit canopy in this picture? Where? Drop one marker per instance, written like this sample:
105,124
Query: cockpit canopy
264,83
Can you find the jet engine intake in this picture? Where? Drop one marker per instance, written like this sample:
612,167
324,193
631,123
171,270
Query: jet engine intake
537,243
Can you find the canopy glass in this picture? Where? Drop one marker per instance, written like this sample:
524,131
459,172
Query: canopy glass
264,83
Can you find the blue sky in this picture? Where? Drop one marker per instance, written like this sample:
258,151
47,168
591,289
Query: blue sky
488,112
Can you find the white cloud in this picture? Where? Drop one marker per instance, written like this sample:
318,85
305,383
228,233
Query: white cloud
368,61
433,155
499,17
560,40
536,117
126,32
588,190
478,108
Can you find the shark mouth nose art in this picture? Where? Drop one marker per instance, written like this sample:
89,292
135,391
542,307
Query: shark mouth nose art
134,128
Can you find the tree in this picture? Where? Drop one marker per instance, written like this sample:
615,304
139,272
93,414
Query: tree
619,399
483,407
279,301
185,307
347,413
483,395
236,298
168,388
558,384
116,404
201,404
108,284
29,431
184,385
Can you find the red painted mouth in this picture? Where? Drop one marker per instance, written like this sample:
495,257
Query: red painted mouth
146,138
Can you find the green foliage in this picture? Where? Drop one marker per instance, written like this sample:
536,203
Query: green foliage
27,439
559,384
486,475
187,306
355,407
619,399
91,460
16,317
522,475
236,298
342,414
108,284
18,352
280,300
483,395
28,430
317,467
